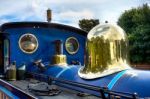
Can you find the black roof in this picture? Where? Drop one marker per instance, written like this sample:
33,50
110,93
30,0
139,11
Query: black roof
41,24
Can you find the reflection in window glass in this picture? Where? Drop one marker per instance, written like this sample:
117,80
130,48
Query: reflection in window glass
6,53
28,43
72,45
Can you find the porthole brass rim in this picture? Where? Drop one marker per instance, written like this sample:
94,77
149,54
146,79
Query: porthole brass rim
77,43
22,48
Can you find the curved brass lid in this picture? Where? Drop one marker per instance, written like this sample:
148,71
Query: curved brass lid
106,52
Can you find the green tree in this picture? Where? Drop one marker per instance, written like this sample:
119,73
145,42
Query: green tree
136,23
88,24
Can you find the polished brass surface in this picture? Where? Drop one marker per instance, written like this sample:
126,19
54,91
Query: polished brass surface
59,60
106,52
28,43
72,45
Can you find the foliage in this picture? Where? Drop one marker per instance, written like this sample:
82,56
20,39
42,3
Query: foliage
136,23
88,24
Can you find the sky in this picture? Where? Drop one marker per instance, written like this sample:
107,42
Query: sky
67,12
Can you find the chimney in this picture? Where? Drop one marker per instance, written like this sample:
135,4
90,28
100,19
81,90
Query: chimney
49,15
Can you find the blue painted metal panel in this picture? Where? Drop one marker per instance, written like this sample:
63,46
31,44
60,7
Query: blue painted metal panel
71,73
134,81
125,81
115,79
46,48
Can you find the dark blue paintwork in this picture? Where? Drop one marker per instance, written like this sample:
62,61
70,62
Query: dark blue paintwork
134,81
131,81
46,49
71,73
125,81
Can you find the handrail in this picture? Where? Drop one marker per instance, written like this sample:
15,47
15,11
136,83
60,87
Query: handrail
104,92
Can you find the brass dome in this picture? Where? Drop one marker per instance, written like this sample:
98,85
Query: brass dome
106,52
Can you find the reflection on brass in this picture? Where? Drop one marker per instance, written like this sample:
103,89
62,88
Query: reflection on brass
72,45
106,52
59,60
28,43
28,46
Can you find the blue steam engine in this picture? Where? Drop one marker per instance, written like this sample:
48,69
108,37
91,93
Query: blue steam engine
65,56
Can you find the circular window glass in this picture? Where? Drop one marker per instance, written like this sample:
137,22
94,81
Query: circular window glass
72,45
28,43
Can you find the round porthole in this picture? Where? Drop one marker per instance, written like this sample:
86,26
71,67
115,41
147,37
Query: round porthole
28,43
72,45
